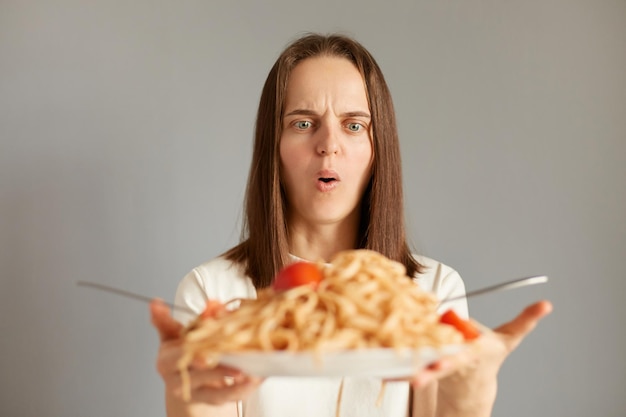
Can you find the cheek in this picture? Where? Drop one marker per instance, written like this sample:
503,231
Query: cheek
285,158
293,152
364,162
289,161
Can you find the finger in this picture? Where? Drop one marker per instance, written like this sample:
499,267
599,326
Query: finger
215,378
219,396
434,371
424,378
218,377
169,367
433,366
162,320
168,357
525,322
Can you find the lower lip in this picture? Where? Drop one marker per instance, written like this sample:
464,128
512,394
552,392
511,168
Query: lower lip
326,186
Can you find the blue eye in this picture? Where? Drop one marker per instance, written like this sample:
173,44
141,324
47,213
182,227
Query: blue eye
303,124
355,127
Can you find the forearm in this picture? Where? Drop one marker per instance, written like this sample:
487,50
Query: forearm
460,398
175,407
430,401
425,400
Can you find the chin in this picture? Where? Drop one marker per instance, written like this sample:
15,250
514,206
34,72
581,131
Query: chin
327,212
329,217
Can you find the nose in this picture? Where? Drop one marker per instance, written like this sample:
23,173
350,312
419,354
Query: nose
328,143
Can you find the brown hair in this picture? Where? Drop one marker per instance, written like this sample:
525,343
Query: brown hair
264,246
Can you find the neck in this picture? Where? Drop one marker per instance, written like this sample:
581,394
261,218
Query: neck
321,242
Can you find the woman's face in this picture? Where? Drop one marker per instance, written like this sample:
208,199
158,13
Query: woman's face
325,146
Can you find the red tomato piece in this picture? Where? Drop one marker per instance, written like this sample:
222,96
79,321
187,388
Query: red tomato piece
296,274
466,327
212,309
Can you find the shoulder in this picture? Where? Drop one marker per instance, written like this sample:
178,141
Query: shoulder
443,281
219,268
218,279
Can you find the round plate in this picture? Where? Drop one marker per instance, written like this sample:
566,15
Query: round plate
384,362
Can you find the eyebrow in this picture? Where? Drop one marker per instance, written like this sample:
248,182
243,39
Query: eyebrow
304,112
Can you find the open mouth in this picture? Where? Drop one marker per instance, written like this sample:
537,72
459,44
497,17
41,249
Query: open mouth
327,180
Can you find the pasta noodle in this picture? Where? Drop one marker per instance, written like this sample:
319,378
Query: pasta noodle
339,395
364,301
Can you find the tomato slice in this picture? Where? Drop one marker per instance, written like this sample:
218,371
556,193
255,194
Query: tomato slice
296,274
466,327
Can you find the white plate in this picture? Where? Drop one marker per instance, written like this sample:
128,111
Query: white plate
384,363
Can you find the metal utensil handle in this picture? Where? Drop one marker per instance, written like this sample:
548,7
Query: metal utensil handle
132,295
509,285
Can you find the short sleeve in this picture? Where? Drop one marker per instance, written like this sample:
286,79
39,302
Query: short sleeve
452,286
444,282
191,295
218,279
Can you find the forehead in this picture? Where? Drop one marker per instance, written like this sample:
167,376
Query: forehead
326,80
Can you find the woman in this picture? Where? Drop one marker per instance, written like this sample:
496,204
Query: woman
326,177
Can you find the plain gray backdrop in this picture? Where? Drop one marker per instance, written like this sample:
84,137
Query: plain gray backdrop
125,139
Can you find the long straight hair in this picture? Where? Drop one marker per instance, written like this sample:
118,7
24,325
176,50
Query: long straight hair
264,247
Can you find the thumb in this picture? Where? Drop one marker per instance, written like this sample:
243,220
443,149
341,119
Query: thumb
524,323
162,320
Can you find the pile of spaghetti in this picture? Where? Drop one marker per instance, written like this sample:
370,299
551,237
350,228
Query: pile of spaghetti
364,300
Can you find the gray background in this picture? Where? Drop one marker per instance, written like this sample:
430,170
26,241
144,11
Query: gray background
126,129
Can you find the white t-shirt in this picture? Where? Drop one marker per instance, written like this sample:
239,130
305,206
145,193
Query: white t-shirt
223,280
